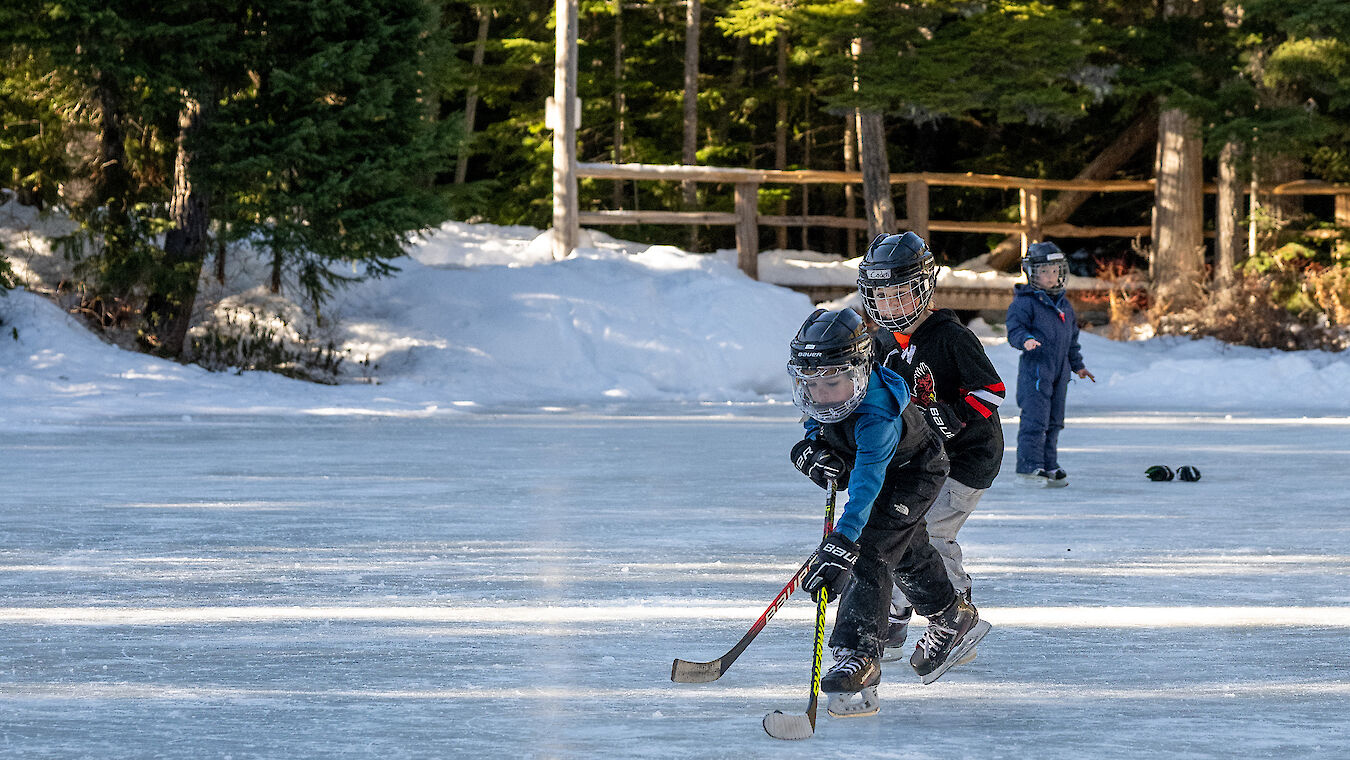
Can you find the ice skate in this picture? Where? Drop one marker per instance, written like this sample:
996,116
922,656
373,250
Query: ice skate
852,685
1035,479
1058,478
896,634
952,635
968,657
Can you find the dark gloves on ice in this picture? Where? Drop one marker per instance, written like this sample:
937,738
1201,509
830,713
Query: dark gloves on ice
818,462
831,565
1162,472
1159,472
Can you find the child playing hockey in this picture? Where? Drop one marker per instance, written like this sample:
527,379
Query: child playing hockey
951,380
1043,326
863,432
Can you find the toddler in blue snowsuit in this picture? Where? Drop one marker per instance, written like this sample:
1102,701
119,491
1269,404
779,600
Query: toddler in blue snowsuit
1042,325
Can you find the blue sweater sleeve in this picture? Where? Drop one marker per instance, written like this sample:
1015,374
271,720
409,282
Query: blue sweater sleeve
1019,322
877,438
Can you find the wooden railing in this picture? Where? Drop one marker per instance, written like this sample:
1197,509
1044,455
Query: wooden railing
747,219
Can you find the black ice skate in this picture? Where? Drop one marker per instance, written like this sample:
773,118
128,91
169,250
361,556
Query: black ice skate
952,634
852,684
896,635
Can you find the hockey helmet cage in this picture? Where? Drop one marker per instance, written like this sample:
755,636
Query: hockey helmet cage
1046,267
896,279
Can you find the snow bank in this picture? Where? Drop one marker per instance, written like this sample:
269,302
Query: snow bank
481,316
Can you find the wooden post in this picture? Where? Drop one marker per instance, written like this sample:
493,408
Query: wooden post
747,228
566,229
1343,210
916,207
1031,216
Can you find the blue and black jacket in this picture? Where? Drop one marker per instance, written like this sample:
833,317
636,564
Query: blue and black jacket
896,459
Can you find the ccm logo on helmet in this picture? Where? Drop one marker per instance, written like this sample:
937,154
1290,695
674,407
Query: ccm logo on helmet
878,274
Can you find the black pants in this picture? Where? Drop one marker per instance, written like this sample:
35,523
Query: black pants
894,545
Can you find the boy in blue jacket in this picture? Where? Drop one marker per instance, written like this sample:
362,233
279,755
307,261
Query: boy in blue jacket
864,433
1043,326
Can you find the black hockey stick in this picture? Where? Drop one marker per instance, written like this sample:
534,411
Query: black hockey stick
781,725
683,671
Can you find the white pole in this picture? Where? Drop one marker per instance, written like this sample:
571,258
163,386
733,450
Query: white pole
564,119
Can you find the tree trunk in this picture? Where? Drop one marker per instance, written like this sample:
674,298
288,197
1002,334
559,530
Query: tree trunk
112,181
780,127
1230,242
186,243
471,99
690,153
1177,265
1143,131
876,174
620,102
850,164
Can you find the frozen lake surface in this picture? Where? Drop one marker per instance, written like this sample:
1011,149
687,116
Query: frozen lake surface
516,585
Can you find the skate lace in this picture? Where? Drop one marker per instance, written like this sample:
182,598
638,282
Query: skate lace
935,638
849,665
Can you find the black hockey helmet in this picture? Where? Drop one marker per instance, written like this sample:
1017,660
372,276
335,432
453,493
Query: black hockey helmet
1046,267
830,361
896,279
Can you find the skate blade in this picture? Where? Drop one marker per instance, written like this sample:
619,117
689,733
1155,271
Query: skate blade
967,646
894,654
789,726
859,705
1033,482
1057,483
967,659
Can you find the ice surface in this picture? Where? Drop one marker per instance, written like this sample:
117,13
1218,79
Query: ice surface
510,585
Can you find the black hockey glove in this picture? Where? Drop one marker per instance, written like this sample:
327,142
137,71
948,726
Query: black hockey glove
942,418
1188,473
1159,473
818,462
831,566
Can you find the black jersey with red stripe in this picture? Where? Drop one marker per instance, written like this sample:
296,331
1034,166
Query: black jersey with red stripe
950,375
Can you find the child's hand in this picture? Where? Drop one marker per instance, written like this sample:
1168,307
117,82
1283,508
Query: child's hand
1031,345
1084,373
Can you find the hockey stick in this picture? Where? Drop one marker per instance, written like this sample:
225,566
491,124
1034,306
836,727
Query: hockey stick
683,671
781,725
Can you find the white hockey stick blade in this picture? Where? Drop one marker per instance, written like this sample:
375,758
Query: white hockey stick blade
858,705
781,725
956,656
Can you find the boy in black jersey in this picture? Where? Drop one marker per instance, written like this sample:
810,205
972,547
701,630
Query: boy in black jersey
951,380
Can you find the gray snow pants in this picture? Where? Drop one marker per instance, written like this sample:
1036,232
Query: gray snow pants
953,505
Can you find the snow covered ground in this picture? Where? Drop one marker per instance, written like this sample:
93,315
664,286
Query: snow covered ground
572,472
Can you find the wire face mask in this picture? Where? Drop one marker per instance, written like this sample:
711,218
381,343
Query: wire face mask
897,307
1049,276
828,394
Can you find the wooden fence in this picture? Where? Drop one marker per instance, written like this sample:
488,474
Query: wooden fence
747,219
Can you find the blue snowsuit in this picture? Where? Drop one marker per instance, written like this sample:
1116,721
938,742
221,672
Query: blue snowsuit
1043,372
897,467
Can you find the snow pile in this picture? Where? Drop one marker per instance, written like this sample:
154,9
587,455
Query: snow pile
481,316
